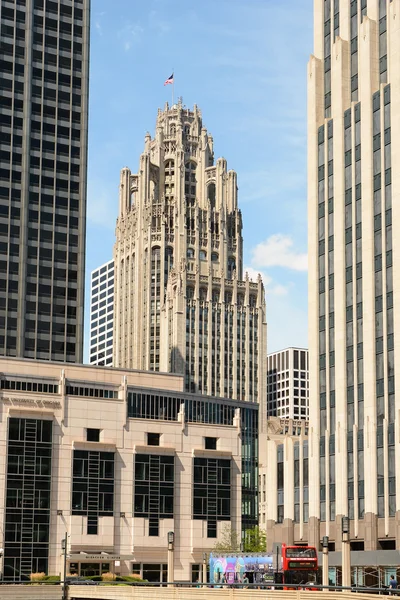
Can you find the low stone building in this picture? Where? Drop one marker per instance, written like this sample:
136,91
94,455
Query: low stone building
117,459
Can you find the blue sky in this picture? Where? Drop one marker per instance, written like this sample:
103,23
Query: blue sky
243,62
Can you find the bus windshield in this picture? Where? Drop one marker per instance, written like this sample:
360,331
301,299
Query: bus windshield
300,552
300,577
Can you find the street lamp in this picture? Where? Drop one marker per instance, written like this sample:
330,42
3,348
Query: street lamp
345,525
171,539
325,560
64,547
346,570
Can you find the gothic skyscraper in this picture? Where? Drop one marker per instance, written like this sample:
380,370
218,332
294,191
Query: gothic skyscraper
182,303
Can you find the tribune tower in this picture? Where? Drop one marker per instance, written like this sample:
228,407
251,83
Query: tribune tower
182,304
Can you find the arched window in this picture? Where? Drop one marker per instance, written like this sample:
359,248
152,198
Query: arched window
186,128
190,182
190,253
252,300
231,267
190,292
215,295
172,129
203,293
169,261
203,255
214,257
240,299
211,194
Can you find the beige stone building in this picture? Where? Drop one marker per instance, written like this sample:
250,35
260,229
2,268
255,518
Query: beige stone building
117,459
283,481
354,288
182,303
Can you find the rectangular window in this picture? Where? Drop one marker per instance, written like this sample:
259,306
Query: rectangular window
93,435
154,489
210,443
27,503
93,486
153,439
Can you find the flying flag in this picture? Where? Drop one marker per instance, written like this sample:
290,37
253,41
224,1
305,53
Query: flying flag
169,80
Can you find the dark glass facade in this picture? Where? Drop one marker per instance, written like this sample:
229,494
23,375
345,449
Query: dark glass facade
154,489
93,486
43,115
27,509
212,492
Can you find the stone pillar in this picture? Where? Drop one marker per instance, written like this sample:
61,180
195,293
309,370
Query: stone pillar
313,531
397,530
370,531
288,532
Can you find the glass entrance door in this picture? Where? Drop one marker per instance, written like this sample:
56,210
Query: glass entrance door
93,569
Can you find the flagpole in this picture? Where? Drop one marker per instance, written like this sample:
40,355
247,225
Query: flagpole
173,80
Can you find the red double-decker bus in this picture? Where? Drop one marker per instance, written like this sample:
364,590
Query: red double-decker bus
300,566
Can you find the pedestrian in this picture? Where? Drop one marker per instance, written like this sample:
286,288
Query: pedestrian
245,581
392,584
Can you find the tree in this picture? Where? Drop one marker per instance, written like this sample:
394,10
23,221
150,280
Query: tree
255,540
230,540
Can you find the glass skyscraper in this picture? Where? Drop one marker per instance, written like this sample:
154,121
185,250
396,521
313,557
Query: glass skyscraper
44,58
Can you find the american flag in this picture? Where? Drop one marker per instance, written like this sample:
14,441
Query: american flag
169,80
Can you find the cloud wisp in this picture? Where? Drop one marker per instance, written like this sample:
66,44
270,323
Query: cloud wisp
278,251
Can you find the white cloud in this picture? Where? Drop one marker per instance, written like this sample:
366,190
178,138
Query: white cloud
270,286
97,22
253,275
129,34
277,251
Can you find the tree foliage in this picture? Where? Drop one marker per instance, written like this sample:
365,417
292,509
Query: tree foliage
255,540
230,540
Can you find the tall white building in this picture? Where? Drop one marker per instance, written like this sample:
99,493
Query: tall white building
354,290
102,315
287,384
182,303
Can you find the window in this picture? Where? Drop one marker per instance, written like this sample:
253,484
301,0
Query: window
93,486
93,435
210,443
153,439
211,491
154,489
29,456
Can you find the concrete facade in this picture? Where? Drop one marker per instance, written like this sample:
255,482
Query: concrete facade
284,481
354,293
121,417
287,384
102,315
182,302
